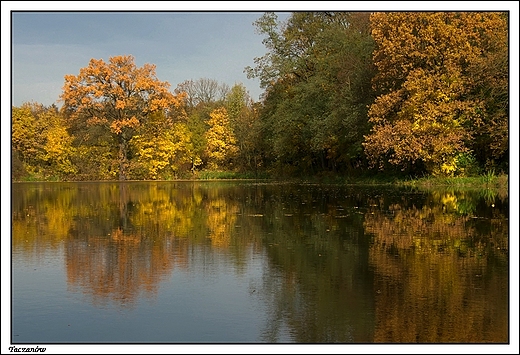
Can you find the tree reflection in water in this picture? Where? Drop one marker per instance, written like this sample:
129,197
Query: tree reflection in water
340,264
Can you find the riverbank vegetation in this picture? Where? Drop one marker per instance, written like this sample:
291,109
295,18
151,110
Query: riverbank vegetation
418,98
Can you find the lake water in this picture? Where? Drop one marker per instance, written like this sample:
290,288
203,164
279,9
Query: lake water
246,262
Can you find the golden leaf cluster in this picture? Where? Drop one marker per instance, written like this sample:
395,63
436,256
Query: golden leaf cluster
425,106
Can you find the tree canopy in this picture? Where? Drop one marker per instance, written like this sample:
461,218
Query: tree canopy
415,93
430,103
117,96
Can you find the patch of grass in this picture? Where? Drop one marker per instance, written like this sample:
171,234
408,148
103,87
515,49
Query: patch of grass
372,180
488,180
341,179
36,177
228,175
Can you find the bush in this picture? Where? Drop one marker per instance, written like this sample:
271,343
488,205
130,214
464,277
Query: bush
467,165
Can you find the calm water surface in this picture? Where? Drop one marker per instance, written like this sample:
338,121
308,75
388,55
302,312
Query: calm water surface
245,262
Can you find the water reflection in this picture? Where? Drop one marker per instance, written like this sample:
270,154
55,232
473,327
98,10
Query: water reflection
339,264
440,261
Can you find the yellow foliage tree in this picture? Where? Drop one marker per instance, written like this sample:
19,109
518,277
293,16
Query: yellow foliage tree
424,111
58,148
221,146
23,132
162,147
41,141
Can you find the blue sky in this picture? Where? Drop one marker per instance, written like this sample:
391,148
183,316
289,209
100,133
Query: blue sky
193,40
46,46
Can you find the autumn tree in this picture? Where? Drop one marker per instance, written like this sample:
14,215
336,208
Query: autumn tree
221,146
162,147
41,143
490,78
59,151
118,97
201,98
24,140
425,113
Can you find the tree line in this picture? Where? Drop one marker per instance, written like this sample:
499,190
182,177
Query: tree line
415,93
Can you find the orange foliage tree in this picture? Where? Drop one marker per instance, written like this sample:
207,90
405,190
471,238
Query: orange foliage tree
117,96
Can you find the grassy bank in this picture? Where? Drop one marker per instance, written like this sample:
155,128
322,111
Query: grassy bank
489,180
229,175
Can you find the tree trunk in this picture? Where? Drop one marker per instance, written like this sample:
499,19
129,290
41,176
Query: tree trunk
122,157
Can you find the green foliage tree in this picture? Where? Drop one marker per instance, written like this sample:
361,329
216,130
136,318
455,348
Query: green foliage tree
244,125
317,75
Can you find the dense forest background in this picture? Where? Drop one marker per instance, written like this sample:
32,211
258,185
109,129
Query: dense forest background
345,93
